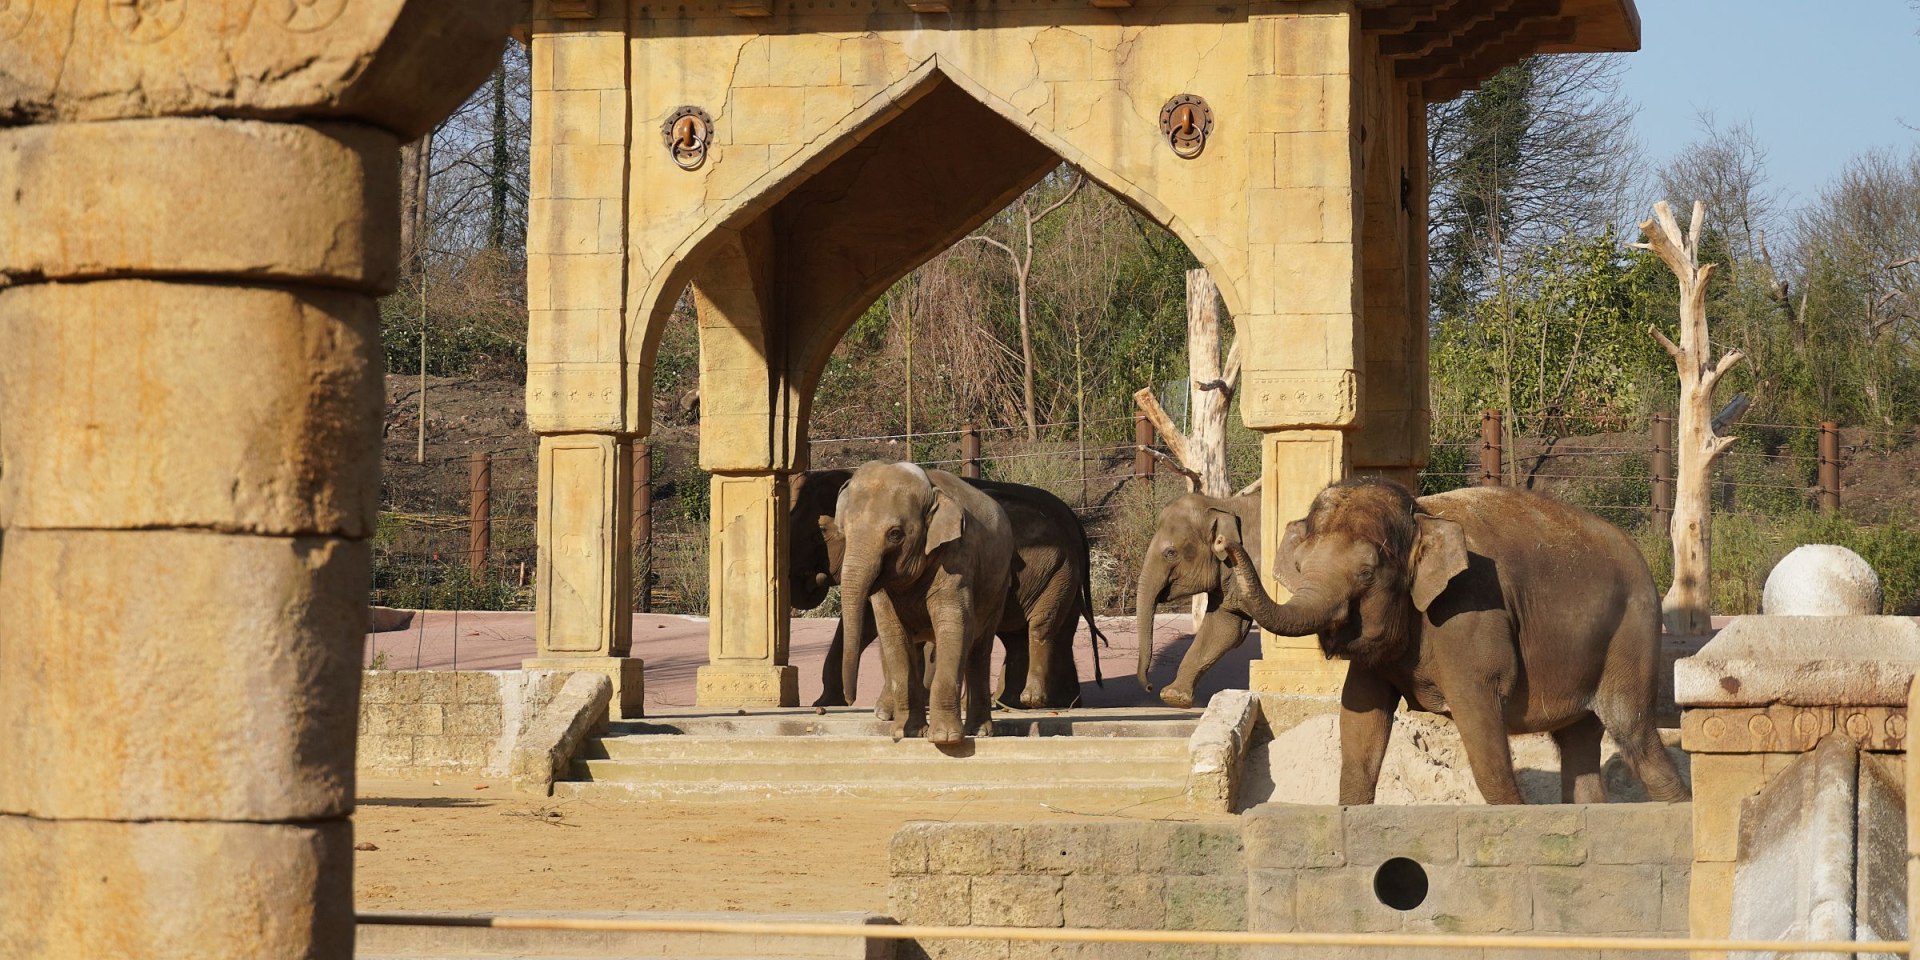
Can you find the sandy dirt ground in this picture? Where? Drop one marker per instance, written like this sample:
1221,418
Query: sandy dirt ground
453,847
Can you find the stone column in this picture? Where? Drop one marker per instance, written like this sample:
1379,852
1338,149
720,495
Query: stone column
581,398
1302,380
750,432
191,389
1765,691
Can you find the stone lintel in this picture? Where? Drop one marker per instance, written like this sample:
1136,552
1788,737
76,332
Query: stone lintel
1807,661
1784,728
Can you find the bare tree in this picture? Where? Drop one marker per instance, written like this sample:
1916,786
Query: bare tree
1019,250
1688,607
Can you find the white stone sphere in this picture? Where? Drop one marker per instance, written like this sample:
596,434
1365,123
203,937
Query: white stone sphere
1821,580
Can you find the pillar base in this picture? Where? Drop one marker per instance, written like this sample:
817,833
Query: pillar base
755,685
627,673
1299,674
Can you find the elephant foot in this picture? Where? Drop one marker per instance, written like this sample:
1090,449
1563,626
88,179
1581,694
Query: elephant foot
1033,699
831,700
945,730
883,711
1175,697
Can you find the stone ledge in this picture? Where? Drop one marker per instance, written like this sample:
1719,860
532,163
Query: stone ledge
546,747
1218,749
1809,661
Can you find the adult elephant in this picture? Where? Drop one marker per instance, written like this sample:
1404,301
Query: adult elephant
1052,588
1507,611
933,557
1180,563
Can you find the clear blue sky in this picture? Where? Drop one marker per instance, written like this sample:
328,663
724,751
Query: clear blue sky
1820,80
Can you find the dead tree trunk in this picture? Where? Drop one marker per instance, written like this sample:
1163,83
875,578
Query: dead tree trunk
1688,607
1201,454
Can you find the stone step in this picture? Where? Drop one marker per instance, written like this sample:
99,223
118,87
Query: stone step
1089,796
860,722
388,942
813,749
926,769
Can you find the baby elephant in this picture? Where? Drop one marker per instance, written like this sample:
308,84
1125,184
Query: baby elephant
1508,611
935,557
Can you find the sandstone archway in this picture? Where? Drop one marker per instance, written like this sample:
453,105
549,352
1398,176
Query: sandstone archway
853,139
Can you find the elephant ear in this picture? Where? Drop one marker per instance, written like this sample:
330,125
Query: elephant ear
1222,526
1439,554
945,521
1285,569
836,544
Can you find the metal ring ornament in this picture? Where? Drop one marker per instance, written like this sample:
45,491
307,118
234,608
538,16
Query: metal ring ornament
1186,121
688,133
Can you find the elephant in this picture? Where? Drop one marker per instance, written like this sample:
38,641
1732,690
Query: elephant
1505,610
933,558
1052,588
1180,563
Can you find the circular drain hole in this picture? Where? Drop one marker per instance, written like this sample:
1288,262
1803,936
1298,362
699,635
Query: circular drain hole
1400,883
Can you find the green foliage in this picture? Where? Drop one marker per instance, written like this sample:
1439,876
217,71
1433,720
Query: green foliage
1746,548
413,583
475,319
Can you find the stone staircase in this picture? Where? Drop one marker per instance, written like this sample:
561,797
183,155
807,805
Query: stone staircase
391,942
1115,756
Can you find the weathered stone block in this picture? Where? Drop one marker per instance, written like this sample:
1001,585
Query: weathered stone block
1378,833
907,850
1463,899
1341,899
1270,896
294,376
295,202
474,720
386,752
175,889
975,849
931,899
1503,836
1660,833
1709,898
1206,849
1596,898
1755,661
1016,901
1675,890
1207,903
1721,783
1109,848
1106,901
266,681
478,687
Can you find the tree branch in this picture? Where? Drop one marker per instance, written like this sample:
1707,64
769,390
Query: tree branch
1720,369
1078,179
1232,374
1672,351
1163,424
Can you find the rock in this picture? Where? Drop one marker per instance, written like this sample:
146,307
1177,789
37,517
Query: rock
1821,580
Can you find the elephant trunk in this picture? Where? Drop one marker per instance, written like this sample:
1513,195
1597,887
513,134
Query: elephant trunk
856,583
1153,583
1308,612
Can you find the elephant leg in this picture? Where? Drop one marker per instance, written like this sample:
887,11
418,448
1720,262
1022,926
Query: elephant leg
1366,727
895,664
1477,713
1053,609
979,719
1063,677
1013,669
951,631
1579,744
1219,633
1634,731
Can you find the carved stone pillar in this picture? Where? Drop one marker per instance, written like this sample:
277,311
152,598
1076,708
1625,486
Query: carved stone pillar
191,391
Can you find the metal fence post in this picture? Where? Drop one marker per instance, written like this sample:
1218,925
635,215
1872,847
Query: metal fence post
1142,441
1662,471
479,511
1491,469
1829,466
643,524
970,451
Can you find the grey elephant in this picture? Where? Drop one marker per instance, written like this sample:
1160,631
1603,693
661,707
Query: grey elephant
1051,592
1180,563
1507,611
933,558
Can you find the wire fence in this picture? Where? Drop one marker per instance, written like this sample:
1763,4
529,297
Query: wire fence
457,529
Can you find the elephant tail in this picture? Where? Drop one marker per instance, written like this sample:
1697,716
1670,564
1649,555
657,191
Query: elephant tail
1095,638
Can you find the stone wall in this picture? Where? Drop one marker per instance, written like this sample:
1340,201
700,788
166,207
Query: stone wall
1601,869
424,723
1119,874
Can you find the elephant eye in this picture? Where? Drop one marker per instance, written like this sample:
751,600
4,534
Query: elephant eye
894,535
1170,553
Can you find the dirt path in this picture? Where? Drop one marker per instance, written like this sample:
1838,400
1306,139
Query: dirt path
456,848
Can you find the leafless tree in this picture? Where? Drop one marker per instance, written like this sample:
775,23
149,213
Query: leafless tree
1018,226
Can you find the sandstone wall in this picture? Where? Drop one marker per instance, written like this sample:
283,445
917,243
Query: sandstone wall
426,723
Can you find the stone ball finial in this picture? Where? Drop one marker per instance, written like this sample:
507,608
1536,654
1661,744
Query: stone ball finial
1821,580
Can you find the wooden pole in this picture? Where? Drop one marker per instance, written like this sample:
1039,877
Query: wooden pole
1662,471
479,511
1142,442
1491,473
1829,466
643,524
970,451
